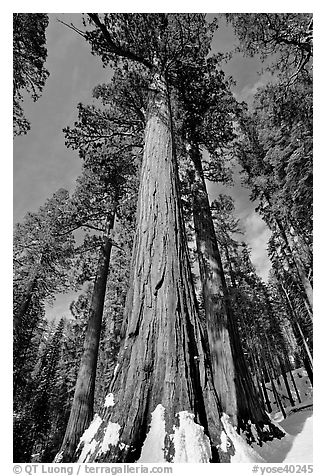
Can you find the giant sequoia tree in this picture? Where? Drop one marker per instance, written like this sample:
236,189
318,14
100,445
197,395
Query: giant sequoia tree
208,110
163,373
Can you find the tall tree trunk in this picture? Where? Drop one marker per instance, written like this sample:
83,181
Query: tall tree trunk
81,412
263,386
267,400
295,386
283,371
237,394
289,366
162,377
308,367
276,395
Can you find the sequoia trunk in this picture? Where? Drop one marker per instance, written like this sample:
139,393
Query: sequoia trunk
162,387
237,394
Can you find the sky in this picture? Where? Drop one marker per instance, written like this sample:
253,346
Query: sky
41,162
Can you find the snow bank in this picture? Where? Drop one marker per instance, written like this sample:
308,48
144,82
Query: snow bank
153,447
243,452
301,450
111,436
190,442
191,445
296,446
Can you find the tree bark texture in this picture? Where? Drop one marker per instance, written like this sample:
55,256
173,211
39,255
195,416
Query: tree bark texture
81,412
238,397
162,363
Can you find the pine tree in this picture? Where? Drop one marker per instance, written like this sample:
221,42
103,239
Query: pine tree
29,55
33,424
106,189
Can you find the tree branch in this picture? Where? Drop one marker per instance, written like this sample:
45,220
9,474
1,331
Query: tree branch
116,48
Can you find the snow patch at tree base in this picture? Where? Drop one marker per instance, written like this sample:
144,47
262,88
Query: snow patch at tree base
190,442
191,445
153,447
243,453
87,440
111,436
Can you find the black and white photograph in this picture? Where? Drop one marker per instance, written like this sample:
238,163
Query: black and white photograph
162,241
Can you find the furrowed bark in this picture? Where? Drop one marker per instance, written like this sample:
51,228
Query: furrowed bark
81,412
237,394
162,364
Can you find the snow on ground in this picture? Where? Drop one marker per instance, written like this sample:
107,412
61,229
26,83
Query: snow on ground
301,451
192,445
243,452
296,445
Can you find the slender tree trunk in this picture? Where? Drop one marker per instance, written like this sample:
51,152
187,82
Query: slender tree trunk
263,386
308,367
81,412
267,400
237,394
287,384
163,377
276,395
294,385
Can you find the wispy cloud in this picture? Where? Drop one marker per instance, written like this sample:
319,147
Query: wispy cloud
249,90
257,235
61,306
